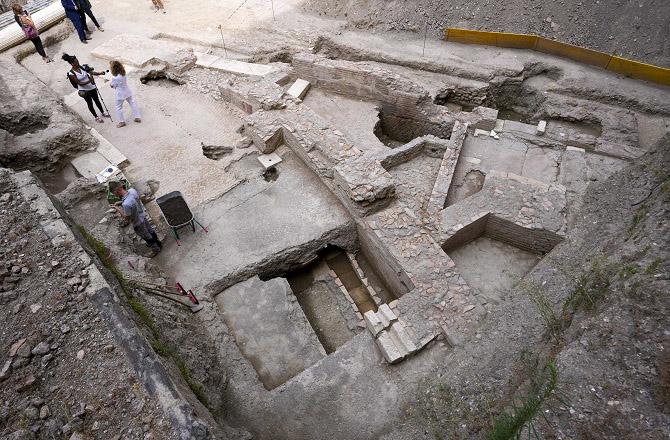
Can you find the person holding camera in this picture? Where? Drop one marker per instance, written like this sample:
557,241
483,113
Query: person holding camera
81,78
122,93
29,29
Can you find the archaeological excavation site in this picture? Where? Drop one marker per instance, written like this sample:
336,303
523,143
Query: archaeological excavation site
334,220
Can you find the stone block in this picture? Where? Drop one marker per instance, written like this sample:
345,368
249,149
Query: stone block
374,323
205,59
541,128
386,315
241,68
391,352
90,164
269,160
489,117
109,151
479,131
299,88
401,337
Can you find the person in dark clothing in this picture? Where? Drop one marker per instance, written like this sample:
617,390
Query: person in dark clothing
29,29
82,78
84,10
72,12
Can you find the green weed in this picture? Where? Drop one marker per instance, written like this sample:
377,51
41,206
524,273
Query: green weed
591,287
551,319
640,214
653,266
628,271
521,416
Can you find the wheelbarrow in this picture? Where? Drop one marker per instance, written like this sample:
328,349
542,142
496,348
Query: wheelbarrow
176,213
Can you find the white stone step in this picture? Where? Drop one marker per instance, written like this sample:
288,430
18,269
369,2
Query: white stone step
90,164
109,151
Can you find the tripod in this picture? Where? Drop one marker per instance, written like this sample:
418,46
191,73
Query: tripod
103,103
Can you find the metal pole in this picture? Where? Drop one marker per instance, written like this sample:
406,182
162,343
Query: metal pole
223,41
425,35
103,104
272,2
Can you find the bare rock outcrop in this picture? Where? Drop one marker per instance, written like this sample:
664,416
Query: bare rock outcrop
36,129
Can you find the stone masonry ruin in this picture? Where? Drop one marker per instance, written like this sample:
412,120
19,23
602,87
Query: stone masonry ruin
383,220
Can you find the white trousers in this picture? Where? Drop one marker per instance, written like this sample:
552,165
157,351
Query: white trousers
133,107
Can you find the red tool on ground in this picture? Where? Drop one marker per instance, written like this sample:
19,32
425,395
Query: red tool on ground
168,292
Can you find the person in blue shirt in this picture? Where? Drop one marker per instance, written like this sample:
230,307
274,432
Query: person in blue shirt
131,209
72,12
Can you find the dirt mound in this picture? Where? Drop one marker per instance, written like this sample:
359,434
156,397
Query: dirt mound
633,29
36,129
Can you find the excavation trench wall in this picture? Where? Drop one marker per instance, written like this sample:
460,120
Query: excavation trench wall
188,417
403,105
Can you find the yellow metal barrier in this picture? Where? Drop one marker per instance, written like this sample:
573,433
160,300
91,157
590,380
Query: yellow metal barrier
636,69
633,69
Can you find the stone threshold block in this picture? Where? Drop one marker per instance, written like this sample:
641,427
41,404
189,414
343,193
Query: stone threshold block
109,151
365,182
390,335
138,51
90,164
299,88
429,144
241,68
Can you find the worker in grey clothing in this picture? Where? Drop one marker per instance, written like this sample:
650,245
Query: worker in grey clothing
131,208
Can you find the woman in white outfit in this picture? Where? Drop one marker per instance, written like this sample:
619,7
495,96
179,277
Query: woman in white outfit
122,93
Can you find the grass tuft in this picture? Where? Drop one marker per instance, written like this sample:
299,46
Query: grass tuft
552,321
520,417
592,286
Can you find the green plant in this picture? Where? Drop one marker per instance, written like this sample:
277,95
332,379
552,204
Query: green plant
105,256
638,216
521,416
653,266
592,285
551,319
628,271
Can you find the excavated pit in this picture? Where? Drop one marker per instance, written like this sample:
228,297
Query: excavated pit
333,289
493,254
394,130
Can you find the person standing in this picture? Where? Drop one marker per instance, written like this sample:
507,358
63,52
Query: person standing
131,209
72,12
122,93
84,10
81,77
30,30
